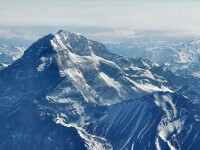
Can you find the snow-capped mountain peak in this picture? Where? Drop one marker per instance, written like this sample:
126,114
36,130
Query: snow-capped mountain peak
78,57
100,98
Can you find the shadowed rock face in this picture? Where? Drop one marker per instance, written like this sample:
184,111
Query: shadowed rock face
21,82
69,92
27,129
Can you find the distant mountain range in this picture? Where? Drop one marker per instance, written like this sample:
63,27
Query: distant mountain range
8,54
182,57
70,92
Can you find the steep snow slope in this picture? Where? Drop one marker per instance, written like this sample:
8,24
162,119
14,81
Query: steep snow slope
159,121
186,85
69,80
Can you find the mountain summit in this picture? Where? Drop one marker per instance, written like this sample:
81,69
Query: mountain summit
70,90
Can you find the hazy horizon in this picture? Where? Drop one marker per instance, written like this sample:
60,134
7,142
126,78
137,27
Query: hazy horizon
133,15
100,20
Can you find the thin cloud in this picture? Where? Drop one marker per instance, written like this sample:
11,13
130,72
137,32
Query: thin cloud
172,15
5,33
8,34
118,33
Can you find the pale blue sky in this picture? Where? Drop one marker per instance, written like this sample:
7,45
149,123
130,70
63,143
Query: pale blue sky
130,14
124,16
